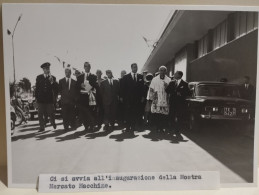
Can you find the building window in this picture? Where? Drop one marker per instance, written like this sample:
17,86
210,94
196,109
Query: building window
181,63
203,46
244,22
220,35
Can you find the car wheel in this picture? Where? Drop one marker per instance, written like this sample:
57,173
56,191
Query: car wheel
193,123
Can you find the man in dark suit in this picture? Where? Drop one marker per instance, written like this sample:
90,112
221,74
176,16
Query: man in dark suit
110,96
46,94
67,89
178,90
247,89
121,107
100,112
85,85
133,96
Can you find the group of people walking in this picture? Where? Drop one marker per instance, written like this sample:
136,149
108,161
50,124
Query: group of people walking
132,101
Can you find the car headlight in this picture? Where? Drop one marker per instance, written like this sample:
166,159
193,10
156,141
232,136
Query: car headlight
215,109
211,109
244,110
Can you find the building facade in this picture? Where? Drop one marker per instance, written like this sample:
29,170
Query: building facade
208,46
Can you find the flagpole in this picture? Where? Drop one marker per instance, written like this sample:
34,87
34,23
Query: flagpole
12,34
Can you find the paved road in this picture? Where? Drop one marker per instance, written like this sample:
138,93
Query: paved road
227,149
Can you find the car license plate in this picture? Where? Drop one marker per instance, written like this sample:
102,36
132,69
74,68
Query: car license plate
229,111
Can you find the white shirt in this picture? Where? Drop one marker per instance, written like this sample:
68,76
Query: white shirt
110,81
46,76
69,82
87,75
246,86
178,81
132,74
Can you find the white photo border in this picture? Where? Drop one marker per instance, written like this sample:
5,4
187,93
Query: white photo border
7,70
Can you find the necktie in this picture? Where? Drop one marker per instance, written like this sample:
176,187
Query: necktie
135,77
110,82
86,76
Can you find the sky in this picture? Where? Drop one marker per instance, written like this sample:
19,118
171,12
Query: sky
107,36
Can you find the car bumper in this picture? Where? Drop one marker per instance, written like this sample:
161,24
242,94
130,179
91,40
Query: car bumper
221,117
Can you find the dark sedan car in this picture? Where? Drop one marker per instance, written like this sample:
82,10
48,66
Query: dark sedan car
217,101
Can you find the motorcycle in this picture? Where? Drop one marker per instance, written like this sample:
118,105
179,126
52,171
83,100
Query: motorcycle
21,111
13,119
29,108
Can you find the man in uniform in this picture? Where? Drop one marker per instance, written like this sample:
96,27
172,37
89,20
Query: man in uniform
46,93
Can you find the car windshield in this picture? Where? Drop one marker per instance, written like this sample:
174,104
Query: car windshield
218,90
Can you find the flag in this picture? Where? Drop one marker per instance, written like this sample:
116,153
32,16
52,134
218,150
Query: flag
20,17
145,39
150,43
57,58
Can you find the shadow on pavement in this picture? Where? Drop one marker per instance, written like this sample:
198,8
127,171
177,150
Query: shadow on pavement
27,127
98,134
124,135
27,136
32,127
54,133
229,144
75,135
160,136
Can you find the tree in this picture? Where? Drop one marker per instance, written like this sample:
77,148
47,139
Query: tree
12,88
25,84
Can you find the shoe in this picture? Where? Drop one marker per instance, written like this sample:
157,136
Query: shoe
54,126
133,129
111,128
91,128
41,130
106,127
128,129
74,128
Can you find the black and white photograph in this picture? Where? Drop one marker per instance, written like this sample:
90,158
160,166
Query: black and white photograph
130,88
